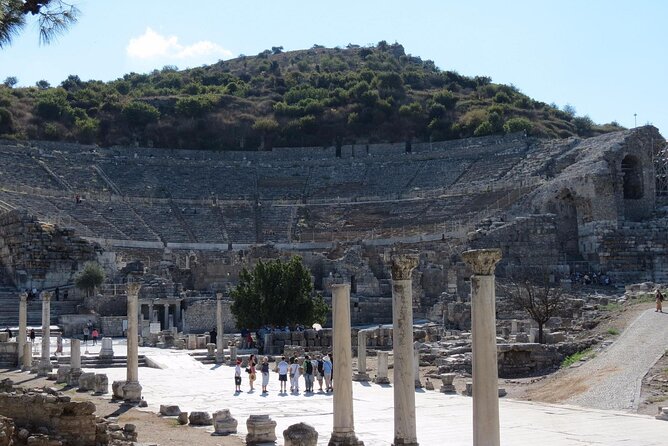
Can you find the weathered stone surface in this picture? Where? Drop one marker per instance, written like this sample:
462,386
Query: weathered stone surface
197,418
63,375
117,389
183,418
300,434
6,431
169,410
224,423
261,429
101,384
87,382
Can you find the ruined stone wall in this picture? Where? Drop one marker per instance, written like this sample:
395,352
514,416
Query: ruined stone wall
200,316
40,255
74,422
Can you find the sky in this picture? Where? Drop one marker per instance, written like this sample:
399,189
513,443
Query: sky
605,58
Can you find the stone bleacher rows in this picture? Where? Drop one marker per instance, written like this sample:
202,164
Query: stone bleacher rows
259,197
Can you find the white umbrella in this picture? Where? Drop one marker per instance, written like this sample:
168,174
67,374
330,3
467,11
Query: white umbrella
317,326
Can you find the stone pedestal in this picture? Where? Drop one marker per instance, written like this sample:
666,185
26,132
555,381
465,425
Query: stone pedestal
405,431
343,432
382,376
220,329
26,359
361,374
107,350
261,430
211,350
101,384
447,385
224,423
132,388
300,434
45,366
483,328
192,342
23,325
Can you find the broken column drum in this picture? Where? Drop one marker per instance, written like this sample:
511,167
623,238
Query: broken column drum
343,432
132,388
483,328
383,367
361,374
45,361
405,431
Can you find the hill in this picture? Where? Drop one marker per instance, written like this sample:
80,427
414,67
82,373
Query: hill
315,97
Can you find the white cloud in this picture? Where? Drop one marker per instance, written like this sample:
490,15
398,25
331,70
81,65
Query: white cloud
152,45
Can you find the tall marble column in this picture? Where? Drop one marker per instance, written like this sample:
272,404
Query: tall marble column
405,431
23,323
344,426
45,361
220,355
26,365
361,374
483,329
132,388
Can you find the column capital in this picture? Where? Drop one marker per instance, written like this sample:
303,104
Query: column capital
340,287
133,289
403,265
482,261
45,295
219,296
23,296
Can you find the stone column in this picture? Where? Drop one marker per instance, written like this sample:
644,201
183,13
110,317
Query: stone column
45,361
361,374
75,362
381,377
220,354
132,388
405,431
416,364
26,365
166,326
483,329
344,426
23,323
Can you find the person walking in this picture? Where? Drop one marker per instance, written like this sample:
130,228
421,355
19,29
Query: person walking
264,369
294,375
86,332
237,377
659,301
327,372
283,367
319,371
251,371
307,366
32,336
95,334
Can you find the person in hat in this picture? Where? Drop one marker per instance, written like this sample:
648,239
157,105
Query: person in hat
237,377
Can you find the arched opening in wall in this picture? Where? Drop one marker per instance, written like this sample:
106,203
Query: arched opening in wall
632,173
565,209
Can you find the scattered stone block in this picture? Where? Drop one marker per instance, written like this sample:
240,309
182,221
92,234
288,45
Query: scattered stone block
200,419
63,375
300,434
101,384
170,410
87,382
224,423
117,389
261,429
183,418
210,350
663,414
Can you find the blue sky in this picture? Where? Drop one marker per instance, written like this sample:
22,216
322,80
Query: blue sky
606,58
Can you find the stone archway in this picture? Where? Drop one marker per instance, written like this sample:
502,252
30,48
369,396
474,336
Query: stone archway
632,178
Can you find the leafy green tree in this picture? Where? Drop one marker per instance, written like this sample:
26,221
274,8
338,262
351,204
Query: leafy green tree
139,114
91,277
583,125
42,84
517,125
54,17
277,293
10,81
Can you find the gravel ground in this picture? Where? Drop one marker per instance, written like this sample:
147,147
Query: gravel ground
612,380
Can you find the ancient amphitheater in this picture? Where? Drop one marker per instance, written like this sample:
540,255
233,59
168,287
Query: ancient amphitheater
198,217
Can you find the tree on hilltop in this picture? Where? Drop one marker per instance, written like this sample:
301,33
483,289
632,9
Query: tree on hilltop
54,17
277,293
90,277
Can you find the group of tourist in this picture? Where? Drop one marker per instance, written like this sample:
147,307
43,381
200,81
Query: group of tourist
90,331
317,369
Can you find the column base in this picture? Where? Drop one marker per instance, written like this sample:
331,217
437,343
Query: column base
347,439
132,392
220,359
400,442
448,388
361,377
384,380
44,367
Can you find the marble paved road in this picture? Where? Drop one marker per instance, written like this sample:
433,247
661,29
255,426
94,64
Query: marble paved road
442,419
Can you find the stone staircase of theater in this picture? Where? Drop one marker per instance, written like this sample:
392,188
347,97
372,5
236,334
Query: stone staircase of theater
9,309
